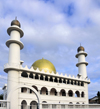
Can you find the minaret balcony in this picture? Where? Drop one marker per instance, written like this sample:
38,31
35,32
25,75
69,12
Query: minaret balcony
81,63
12,66
15,41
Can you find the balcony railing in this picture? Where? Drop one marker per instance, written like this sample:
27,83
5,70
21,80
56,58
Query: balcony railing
4,103
70,106
62,106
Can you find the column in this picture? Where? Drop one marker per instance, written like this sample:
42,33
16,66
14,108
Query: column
80,83
73,82
39,76
69,81
62,80
28,74
58,93
48,92
33,76
44,77
76,82
58,80
66,81
48,78
53,79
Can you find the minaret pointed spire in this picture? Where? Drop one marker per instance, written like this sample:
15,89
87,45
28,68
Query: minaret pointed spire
16,18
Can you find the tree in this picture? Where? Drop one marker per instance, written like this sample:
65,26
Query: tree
98,95
1,96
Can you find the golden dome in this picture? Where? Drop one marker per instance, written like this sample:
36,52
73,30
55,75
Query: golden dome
44,64
80,49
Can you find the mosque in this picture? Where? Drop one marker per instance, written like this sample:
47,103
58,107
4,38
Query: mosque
41,83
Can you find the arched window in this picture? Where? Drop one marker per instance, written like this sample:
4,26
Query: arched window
53,91
46,78
33,105
82,94
36,76
44,91
41,77
62,92
35,88
24,90
55,80
44,105
77,94
24,74
82,83
23,104
67,81
51,79
31,75
60,81
70,93
72,82
64,81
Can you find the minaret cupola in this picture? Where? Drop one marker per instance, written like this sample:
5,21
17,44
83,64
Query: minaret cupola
15,22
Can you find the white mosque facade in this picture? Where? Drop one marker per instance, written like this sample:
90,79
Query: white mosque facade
41,83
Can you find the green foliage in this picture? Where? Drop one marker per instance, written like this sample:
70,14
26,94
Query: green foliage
1,97
98,95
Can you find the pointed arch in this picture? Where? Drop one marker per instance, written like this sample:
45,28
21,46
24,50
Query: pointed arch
23,104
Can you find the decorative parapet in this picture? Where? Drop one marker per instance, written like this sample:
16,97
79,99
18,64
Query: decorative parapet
8,67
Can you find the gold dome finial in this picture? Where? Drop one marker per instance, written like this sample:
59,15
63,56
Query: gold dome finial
81,48
44,64
15,22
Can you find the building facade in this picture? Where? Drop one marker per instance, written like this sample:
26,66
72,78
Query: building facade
41,83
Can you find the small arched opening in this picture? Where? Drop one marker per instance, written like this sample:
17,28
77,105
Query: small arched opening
24,74
70,93
55,80
41,77
31,75
46,78
51,79
44,91
23,104
70,103
24,90
35,88
77,94
53,91
82,83
44,105
62,92
77,103
82,94
36,76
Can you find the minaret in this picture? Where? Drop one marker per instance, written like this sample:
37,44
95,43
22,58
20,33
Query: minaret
81,54
14,44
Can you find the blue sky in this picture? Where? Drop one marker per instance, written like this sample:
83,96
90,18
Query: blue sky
54,29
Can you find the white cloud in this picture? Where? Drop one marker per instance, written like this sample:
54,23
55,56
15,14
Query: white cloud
54,30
